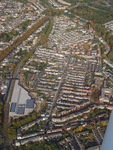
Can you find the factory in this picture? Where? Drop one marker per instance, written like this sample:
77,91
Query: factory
21,103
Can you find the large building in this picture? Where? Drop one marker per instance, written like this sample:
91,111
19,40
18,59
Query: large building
105,94
21,103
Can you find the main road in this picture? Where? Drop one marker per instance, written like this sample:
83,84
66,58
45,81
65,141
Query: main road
58,90
60,84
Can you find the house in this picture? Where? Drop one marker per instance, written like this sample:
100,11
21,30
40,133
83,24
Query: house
54,135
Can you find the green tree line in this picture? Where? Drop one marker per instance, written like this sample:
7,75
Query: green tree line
46,4
17,124
20,39
106,35
25,24
42,145
40,42
27,57
45,36
92,14
6,37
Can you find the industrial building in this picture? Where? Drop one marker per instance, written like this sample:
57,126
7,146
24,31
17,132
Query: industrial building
21,103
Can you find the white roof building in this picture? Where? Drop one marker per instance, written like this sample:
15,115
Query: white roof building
21,103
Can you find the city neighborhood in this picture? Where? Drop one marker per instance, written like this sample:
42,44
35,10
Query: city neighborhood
56,85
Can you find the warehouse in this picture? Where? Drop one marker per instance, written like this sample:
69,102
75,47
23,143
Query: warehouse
21,103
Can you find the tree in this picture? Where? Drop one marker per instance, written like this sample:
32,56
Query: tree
25,35
91,135
74,89
94,21
80,128
33,116
86,46
89,127
104,123
104,56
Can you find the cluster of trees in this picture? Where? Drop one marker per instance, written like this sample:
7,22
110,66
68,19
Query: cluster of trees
29,42
78,129
94,47
25,24
27,75
44,145
98,111
29,31
103,49
95,94
69,29
6,37
90,126
86,46
45,36
92,14
22,1
69,15
32,129
86,79
107,9
64,133
46,4
57,12
107,36
73,2
22,52
16,124
39,66
20,39
74,89
101,31
44,107
102,123
110,55
76,56
44,30
27,57
1,115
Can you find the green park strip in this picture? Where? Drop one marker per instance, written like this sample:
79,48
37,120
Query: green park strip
22,38
45,36
40,42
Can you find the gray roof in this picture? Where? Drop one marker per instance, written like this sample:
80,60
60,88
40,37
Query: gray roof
21,110
30,103
21,97
13,106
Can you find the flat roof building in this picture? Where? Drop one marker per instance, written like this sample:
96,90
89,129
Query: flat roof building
104,92
21,103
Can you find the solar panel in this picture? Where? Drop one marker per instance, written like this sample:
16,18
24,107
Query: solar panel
13,106
21,110
29,103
